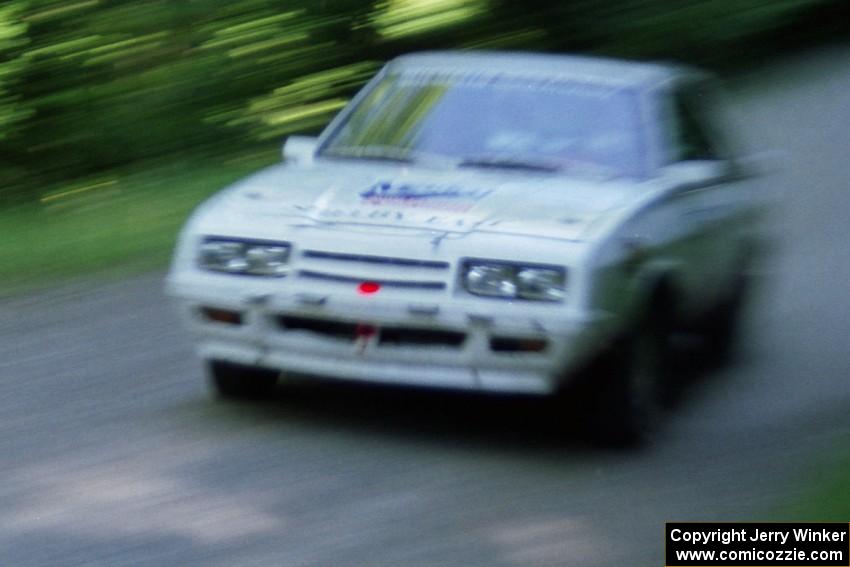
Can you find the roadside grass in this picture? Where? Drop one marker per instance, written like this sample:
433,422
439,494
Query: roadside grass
113,224
825,496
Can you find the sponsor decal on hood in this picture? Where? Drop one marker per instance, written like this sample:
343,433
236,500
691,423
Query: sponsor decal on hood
426,199
428,195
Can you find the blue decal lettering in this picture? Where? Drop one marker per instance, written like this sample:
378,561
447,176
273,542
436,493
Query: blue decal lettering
406,192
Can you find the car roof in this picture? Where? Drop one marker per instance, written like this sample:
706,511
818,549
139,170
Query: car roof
528,64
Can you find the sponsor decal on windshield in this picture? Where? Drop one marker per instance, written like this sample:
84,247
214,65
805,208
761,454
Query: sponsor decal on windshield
572,84
429,196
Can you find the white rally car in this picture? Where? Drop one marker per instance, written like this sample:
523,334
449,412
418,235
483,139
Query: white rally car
497,222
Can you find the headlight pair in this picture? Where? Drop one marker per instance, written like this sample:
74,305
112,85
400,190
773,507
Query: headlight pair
514,281
247,257
479,277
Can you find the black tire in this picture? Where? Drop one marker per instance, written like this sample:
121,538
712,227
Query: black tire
627,388
237,382
720,329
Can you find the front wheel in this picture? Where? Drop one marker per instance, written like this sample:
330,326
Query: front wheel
239,382
627,388
720,329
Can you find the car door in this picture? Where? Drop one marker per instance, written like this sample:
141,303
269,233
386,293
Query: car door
709,194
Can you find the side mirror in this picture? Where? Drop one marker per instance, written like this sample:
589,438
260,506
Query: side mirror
300,149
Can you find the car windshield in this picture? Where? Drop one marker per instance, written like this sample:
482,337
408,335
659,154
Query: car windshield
494,121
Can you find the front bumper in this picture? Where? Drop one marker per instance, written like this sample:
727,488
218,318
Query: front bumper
488,346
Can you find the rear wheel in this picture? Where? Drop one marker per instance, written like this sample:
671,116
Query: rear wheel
240,382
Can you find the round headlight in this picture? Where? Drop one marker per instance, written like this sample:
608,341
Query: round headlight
266,260
541,283
223,256
491,280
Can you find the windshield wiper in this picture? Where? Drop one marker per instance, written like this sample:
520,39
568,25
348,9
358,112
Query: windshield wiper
389,153
537,163
510,162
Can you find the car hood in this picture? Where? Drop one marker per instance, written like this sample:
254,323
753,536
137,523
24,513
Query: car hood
389,198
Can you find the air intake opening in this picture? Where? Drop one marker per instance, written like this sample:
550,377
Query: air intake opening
334,329
517,344
398,336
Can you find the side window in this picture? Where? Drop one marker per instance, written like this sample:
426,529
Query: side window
692,137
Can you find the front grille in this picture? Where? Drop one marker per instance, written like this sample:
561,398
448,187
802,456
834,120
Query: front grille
388,271
367,259
314,275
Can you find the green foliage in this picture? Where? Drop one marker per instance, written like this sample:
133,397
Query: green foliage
825,496
14,111
126,218
12,41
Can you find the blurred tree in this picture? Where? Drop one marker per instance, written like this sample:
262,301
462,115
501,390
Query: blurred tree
108,82
293,66
14,108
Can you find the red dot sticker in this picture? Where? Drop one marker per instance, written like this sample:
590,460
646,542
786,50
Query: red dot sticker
368,288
